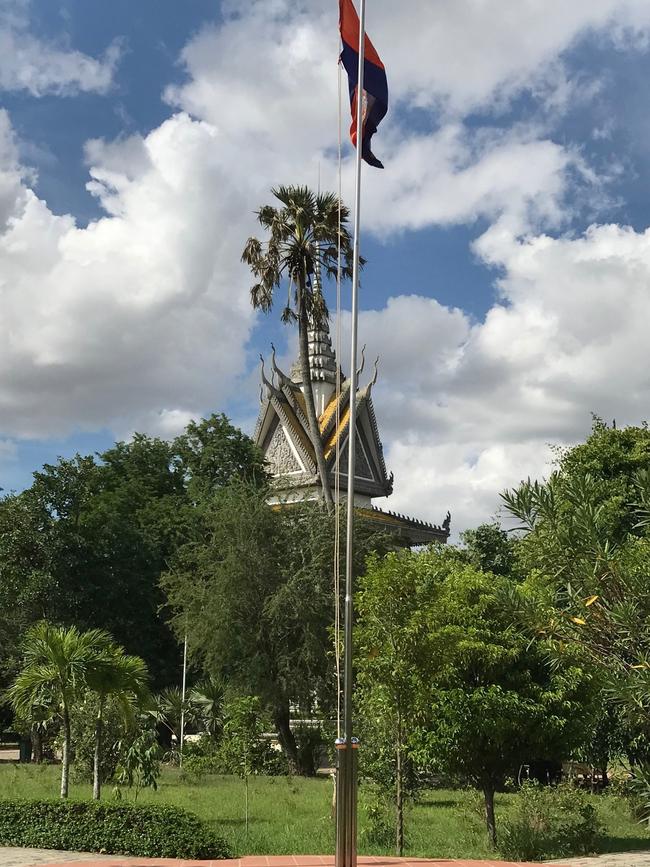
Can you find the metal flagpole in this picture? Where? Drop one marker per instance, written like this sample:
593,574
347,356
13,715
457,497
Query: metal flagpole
182,731
346,842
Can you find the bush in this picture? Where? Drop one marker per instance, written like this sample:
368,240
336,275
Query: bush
205,746
83,720
380,826
549,823
139,766
275,763
117,829
637,791
196,767
244,750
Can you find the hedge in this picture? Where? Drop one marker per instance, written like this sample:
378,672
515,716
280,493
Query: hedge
117,829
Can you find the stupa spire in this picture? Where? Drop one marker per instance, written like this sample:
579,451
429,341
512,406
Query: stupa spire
322,361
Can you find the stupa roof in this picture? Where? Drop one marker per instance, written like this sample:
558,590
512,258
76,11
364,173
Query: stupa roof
282,433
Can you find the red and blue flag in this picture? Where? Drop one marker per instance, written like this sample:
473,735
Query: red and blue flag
374,103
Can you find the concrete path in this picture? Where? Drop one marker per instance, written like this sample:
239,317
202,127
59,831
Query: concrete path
17,857
622,859
29,857
10,857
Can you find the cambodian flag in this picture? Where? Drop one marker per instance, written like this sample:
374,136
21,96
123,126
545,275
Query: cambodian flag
375,86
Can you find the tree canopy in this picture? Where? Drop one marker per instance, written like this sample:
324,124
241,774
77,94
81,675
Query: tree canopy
86,544
442,659
257,600
587,549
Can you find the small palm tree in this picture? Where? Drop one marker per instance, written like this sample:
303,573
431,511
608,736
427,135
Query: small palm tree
303,242
169,709
114,673
208,696
56,663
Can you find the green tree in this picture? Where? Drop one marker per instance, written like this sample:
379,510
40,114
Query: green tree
257,598
212,453
304,235
490,549
243,750
83,723
24,573
390,634
139,765
104,532
613,458
481,697
586,545
124,678
56,662
87,542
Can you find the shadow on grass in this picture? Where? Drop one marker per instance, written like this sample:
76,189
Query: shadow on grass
623,844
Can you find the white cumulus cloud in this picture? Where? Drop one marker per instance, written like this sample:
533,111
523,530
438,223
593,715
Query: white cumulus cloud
141,319
39,66
135,317
470,408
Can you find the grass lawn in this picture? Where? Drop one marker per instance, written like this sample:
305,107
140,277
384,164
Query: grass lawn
292,815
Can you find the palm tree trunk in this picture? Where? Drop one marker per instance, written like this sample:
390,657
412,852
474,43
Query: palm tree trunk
99,725
37,746
65,758
314,429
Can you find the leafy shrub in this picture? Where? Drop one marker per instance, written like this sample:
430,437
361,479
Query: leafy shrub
549,823
119,829
139,766
244,750
196,767
637,791
379,828
83,720
202,757
204,746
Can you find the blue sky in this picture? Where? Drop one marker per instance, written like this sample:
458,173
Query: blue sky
137,138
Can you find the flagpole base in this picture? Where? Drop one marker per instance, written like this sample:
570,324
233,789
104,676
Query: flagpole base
346,802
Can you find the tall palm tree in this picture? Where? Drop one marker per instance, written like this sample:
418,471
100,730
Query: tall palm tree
113,673
56,663
303,242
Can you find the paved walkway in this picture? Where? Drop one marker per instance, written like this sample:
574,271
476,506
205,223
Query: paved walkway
623,859
28,857
10,857
18,857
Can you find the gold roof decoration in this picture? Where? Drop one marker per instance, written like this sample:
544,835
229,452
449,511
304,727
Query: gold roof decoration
282,433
